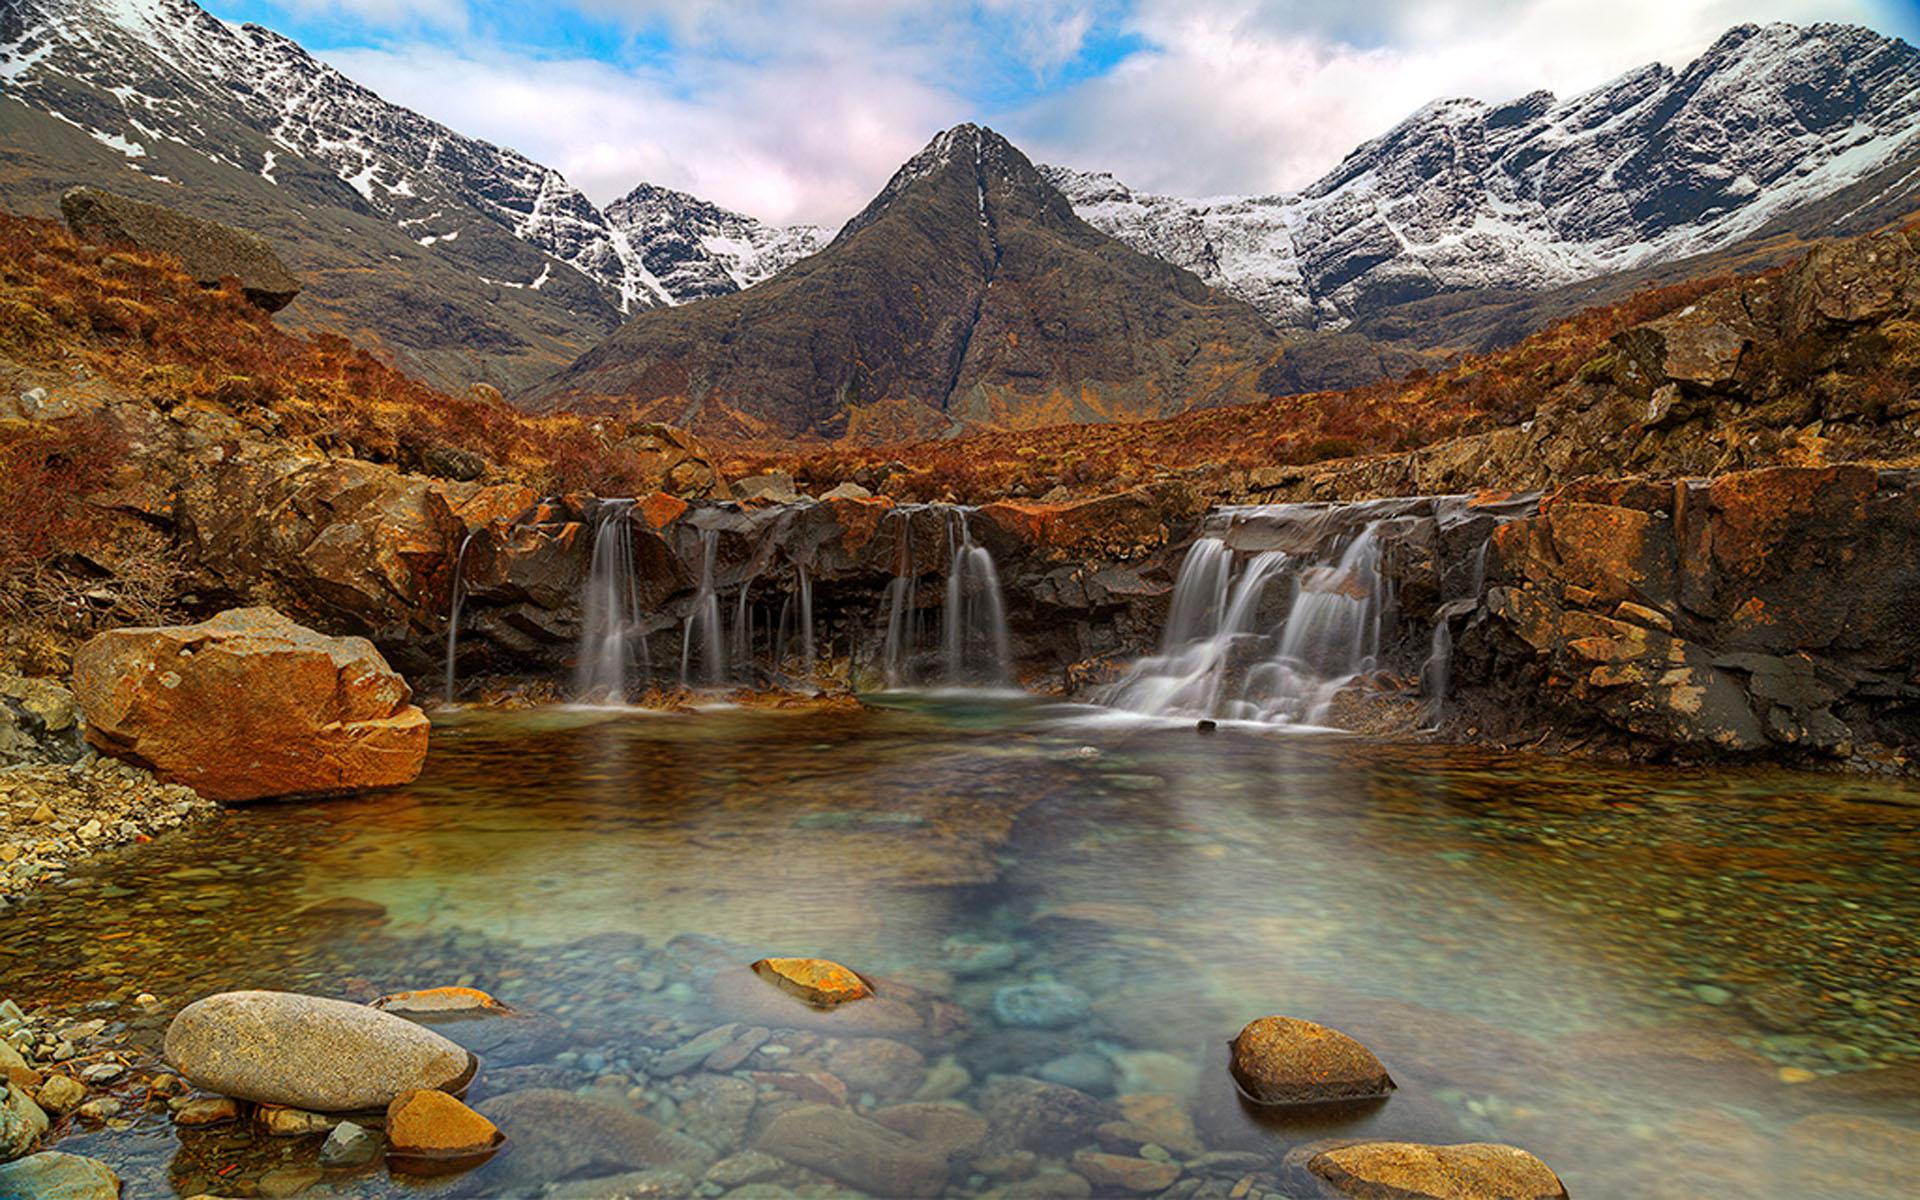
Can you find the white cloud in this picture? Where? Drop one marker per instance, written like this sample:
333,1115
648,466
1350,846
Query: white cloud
1240,96
798,110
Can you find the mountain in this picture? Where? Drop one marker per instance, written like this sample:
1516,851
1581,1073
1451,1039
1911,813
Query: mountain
461,259
1538,193
967,293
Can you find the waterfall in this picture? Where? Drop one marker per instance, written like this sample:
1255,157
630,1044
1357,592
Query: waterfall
454,601
973,622
613,642
1279,609
742,647
806,620
903,616
703,623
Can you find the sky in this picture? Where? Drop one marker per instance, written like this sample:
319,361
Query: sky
799,110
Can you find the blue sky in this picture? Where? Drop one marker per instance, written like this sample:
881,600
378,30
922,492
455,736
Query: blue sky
797,110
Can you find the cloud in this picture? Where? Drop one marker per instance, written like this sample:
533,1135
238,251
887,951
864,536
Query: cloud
799,110
1239,96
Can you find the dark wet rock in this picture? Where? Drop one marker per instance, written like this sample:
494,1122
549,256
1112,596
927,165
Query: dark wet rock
249,705
53,1175
349,1145
1040,1116
860,1153
308,1052
1407,1171
207,250
554,1135
38,721
206,1110
1283,1060
500,1037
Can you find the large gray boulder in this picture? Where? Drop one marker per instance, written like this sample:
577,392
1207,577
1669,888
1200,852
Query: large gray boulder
53,1175
308,1052
208,250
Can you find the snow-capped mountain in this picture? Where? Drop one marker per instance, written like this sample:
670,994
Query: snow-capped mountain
133,73
1654,166
689,249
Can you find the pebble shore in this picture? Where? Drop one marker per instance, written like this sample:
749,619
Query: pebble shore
53,815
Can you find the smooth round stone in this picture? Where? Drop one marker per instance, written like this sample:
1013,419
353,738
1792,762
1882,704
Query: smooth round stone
1040,1005
1083,1069
429,1128
818,981
1407,1171
52,1175
1282,1060
309,1052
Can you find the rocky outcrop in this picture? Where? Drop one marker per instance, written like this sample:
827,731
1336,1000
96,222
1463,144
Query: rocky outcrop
307,1052
249,705
208,250
1768,612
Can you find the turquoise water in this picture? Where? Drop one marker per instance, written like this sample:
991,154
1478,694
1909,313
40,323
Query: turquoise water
1663,983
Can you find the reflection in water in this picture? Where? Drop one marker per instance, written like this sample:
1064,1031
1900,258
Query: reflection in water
1609,967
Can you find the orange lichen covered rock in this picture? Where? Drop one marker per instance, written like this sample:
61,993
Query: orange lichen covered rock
439,1000
431,1129
819,982
1406,1171
249,705
1281,1060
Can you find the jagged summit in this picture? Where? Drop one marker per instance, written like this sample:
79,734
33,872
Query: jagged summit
1537,192
967,293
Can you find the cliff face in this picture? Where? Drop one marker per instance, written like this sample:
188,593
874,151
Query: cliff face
966,294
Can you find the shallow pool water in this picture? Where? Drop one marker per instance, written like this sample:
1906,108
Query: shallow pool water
1663,983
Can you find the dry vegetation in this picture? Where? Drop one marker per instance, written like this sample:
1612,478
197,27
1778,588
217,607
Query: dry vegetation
135,320
1478,392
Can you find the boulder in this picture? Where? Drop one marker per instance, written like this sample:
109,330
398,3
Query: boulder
52,1175
249,705
1407,1171
673,460
429,1131
21,1121
775,487
207,250
1282,1060
817,981
554,1135
309,1052
860,1153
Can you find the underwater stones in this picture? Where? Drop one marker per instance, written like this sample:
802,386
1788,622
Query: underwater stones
309,1052
860,1153
53,1175
1036,1115
817,981
1041,1005
1407,1171
439,1001
1282,1060
654,1183
741,994
21,1121
349,1145
206,1110
475,1021
250,705
1118,1172
555,1135
429,1131
966,957
943,1128
877,1065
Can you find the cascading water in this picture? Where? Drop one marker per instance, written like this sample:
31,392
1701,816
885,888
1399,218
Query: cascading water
973,623
457,598
703,623
1236,647
613,643
903,613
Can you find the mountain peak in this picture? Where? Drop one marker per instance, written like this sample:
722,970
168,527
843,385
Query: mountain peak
967,157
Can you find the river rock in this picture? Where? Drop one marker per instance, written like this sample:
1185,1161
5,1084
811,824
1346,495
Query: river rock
1112,1173
819,982
61,1094
1281,1060
860,1153
654,1183
349,1145
249,705
207,250
1406,1171
1036,1115
309,1052
554,1135
21,1122
432,1129
52,1175
1041,1005
943,1128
